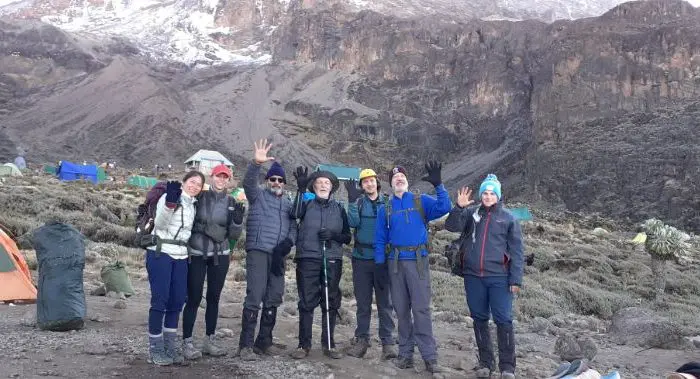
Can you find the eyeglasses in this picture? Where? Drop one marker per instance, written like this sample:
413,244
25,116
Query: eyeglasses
274,179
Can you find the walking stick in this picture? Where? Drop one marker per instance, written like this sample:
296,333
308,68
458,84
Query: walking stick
325,285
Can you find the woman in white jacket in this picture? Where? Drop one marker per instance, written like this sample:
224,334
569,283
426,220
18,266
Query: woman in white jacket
166,264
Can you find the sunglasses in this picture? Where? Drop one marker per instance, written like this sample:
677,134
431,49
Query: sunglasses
274,179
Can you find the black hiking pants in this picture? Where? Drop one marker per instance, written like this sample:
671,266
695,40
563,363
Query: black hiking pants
310,286
199,268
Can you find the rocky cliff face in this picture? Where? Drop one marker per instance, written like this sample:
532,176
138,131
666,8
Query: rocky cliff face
597,114
522,98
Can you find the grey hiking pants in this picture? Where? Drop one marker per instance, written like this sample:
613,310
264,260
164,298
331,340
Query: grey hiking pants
365,284
261,285
411,296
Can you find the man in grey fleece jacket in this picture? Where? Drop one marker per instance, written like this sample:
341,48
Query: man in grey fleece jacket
270,235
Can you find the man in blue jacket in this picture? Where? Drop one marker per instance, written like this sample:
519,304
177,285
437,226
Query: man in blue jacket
492,264
270,235
401,238
362,216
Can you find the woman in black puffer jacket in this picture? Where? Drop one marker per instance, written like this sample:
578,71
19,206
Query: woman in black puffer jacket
219,218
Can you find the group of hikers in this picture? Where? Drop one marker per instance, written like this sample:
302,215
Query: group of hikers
389,261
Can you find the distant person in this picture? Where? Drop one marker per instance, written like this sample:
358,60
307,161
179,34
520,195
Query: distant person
219,218
167,268
493,271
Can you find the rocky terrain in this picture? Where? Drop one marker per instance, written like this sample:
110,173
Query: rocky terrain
588,294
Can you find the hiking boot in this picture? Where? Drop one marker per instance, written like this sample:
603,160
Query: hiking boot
389,352
358,347
300,353
190,352
506,350
332,353
247,354
209,347
507,375
172,347
433,367
482,372
156,352
403,362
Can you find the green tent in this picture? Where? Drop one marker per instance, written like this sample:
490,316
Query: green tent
101,175
521,214
141,181
50,169
342,172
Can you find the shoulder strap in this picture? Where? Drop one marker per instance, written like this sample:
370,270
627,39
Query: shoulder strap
388,211
418,205
230,204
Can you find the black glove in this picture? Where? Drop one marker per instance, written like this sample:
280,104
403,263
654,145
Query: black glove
173,190
302,176
434,169
237,213
354,192
381,275
278,253
325,235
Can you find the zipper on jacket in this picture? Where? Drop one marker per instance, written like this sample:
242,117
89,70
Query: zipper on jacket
279,198
483,242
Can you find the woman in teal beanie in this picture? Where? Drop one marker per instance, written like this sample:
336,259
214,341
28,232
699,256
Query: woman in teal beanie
492,265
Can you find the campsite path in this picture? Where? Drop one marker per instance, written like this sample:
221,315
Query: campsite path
113,344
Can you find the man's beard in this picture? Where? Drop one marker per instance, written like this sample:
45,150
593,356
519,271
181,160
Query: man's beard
276,190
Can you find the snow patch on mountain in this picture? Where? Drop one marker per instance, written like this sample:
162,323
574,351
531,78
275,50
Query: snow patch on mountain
177,31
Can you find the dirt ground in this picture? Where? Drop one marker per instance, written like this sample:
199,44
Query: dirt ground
113,344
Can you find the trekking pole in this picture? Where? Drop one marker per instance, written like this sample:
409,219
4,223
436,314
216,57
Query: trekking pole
325,285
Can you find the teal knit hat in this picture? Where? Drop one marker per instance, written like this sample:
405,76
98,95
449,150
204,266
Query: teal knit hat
491,183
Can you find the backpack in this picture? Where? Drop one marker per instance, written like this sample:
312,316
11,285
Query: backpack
360,204
454,253
146,216
418,206
146,212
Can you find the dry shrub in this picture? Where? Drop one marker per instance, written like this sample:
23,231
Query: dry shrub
537,301
346,287
30,258
71,203
103,253
448,292
586,300
683,284
113,233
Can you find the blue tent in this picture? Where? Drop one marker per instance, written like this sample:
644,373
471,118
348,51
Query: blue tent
68,171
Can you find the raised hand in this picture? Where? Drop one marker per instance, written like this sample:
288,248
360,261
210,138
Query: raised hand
260,150
434,169
301,174
464,197
353,191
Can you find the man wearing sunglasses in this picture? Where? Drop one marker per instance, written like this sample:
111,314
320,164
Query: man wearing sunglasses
270,232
